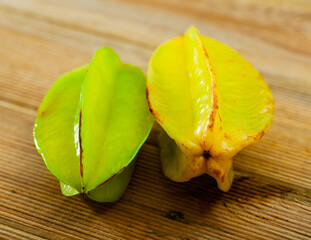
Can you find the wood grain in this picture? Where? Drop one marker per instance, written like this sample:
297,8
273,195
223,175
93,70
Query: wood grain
271,194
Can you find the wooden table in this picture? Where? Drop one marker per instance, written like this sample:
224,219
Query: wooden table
270,197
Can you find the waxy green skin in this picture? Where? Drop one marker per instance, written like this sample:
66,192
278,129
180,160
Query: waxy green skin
91,124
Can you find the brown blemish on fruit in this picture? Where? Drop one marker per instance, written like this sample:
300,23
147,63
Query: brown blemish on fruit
205,52
227,136
81,163
148,101
260,135
154,113
210,67
111,177
214,95
251,138
184,146
43,112
212,117
211,125
220,120
217,173
255,138
147,94
81,150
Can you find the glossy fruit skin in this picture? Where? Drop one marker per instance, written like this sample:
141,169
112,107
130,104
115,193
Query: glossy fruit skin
91,124
210,102
56,129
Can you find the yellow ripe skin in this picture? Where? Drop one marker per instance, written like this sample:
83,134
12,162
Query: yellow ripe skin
210,102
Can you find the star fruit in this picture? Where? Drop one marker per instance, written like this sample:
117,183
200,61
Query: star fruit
91,124
210,102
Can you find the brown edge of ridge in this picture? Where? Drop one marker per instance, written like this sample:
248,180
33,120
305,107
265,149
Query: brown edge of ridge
111,177
215,106
154,113
81,152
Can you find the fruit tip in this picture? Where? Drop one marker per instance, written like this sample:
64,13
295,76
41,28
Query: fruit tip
192,30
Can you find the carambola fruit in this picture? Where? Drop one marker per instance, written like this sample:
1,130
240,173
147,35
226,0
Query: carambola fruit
210,102
91,124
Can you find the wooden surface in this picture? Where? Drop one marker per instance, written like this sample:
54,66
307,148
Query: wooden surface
271,195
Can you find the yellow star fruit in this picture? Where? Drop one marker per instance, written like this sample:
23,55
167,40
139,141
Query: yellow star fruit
210,102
